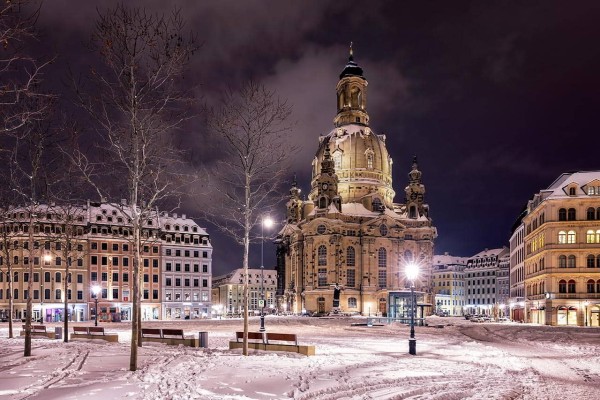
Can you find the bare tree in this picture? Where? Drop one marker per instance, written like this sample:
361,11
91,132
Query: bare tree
136,99
6,264
20,73
252,125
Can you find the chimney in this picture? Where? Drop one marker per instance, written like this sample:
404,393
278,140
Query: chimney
174,215
123,202
183,216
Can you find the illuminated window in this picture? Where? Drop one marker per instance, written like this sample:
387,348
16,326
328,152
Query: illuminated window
571,237
591,190
562,237
591,236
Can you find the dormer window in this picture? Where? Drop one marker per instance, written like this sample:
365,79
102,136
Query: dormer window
104,212
176,227
571,191
98,217
185,228
194,229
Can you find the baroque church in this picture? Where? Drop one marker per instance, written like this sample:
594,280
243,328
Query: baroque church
345,248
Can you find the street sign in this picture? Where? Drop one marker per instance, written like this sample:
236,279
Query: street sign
261,303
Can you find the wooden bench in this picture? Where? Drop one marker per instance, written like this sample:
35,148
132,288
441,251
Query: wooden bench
272,341
80,330
93,332
38,330
168,336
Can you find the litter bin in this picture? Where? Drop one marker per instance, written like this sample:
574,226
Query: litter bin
58,332
203,339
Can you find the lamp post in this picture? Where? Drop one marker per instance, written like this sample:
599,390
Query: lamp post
95,291
268,222
412,270
585,303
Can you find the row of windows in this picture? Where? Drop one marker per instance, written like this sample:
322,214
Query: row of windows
570,261
47,277
571,214
36,245
186,267
482,290
36,294
114,261
187,297
47,261
186,282
186,253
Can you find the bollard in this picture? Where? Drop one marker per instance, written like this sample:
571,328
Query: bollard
58,332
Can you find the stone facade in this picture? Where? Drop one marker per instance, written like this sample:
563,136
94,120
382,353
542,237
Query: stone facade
562,252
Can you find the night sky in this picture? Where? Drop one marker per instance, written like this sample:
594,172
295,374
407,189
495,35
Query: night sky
495,98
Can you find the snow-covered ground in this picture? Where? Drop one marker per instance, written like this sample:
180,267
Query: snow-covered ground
462,360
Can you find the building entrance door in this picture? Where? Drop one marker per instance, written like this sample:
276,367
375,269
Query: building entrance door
321,305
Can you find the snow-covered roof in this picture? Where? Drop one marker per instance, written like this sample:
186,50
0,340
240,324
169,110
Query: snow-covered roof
490,252
580,179
447,259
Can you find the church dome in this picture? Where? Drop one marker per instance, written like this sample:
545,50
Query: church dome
361,162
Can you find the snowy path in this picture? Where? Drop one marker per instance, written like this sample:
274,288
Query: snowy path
462,361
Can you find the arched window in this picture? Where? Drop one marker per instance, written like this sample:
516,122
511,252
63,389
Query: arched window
562,237
590,236
591,214
382,258
571,286
562,286
57,294
598,286
46,276
591,261
408,257
572,191
352,302
571,215
571,237
571,261
322,202
412,212
541,288
351,257
597,239
370,160
591,285
598,213
322,255
562,214
355,96
57,277
337,160
598,261
376,204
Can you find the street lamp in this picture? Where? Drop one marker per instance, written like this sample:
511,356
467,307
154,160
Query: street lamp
266,222
95,291
412,270
585,303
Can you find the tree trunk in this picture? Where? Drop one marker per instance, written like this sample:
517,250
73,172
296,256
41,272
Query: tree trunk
65,293
136,299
